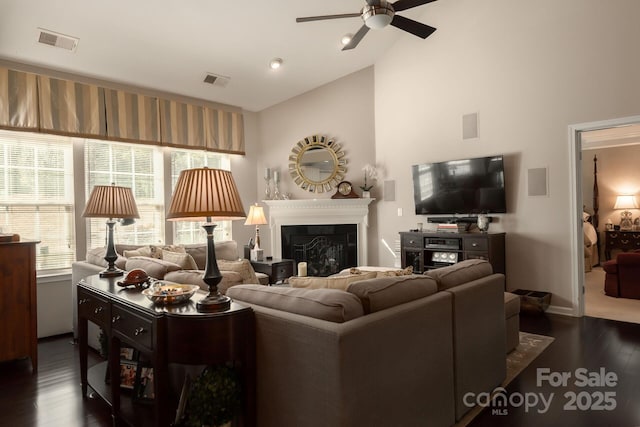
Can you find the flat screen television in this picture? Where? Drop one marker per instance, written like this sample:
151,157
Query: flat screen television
467,186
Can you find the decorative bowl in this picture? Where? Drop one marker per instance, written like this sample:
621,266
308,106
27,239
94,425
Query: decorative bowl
170,294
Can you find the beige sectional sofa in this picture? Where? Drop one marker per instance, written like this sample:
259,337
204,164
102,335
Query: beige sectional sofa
384,351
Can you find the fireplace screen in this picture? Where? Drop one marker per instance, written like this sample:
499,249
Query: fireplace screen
326,249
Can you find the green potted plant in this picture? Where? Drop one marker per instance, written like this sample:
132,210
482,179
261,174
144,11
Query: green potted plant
215,397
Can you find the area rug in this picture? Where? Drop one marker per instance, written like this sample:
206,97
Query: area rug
530,347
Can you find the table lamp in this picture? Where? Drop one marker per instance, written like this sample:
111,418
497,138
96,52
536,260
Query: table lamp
625,202
111,201
205,194
256,217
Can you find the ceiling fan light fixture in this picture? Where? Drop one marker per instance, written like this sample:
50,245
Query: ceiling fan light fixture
378,15
275,63
346,39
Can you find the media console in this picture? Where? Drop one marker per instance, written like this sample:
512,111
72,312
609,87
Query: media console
428,250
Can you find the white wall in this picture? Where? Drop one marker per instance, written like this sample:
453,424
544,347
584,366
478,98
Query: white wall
530,69
342,110
55,310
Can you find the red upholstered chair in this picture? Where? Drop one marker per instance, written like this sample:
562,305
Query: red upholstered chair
622,278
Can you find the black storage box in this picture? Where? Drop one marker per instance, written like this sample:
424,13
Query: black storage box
535,302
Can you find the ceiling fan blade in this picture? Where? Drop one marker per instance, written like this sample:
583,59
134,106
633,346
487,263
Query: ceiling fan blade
322,18
356,38
408,4
414,27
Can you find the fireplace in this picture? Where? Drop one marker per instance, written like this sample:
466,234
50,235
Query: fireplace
320,215
327,249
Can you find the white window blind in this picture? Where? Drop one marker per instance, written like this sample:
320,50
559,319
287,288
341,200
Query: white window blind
129,165
186,232
36,194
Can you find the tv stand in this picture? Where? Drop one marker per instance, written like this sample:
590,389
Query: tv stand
428,250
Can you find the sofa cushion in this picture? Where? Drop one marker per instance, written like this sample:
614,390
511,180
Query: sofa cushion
156,268
384,292
327,304
156,250
194,277
333,282
242,266
462,272
184,260
96,256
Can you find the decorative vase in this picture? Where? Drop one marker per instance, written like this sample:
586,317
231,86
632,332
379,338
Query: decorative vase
483,223
366,195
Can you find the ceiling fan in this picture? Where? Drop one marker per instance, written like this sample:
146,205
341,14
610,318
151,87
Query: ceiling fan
378,14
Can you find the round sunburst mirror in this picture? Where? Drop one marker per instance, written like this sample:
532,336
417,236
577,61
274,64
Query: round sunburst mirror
317,164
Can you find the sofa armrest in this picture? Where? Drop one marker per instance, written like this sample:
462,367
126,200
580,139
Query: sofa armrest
479,337
344,374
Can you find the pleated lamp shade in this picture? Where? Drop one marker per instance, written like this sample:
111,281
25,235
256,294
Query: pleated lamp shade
205,193
111,201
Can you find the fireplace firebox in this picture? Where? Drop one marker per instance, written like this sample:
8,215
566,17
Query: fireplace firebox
326,248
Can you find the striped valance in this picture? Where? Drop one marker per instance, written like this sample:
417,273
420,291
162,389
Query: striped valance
71,108
18,96
51,105
193,126
132,117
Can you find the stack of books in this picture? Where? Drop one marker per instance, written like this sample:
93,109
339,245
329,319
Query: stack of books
448,228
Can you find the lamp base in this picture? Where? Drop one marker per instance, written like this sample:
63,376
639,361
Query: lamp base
111,272
212,303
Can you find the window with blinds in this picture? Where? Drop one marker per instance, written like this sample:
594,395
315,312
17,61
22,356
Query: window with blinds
36,194
129,165
186,232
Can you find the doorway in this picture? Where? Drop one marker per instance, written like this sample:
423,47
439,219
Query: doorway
577,138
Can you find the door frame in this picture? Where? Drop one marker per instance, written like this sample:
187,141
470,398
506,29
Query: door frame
575,191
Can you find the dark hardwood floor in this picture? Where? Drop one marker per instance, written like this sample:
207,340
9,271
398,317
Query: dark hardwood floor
52,397
588,343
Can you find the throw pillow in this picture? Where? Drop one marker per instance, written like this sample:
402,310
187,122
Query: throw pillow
326,304
242,266
96,256
185,260
334,282
142,251
156,251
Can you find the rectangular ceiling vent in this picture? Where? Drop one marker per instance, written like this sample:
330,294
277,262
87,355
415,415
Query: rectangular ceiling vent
217,80
54,39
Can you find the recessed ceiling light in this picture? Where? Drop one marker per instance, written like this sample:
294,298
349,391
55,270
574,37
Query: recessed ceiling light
346,39
275,63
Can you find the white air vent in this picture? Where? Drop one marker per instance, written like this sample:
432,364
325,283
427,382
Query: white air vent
217,80
54,39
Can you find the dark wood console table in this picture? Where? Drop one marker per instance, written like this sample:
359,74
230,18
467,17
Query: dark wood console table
622,240
163,334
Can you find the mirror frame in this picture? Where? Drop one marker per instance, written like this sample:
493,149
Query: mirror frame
337,155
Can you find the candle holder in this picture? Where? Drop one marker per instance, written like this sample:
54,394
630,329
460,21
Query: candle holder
267,188
276,186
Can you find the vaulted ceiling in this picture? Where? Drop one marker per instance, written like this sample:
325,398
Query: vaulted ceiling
172,45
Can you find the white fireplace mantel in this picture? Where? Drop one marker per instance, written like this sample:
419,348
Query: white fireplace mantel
317,212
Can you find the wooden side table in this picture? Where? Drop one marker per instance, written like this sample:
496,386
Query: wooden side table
165,335
278,270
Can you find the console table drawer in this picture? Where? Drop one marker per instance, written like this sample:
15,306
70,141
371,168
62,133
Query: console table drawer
130,326
412,241
476,244
94,308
